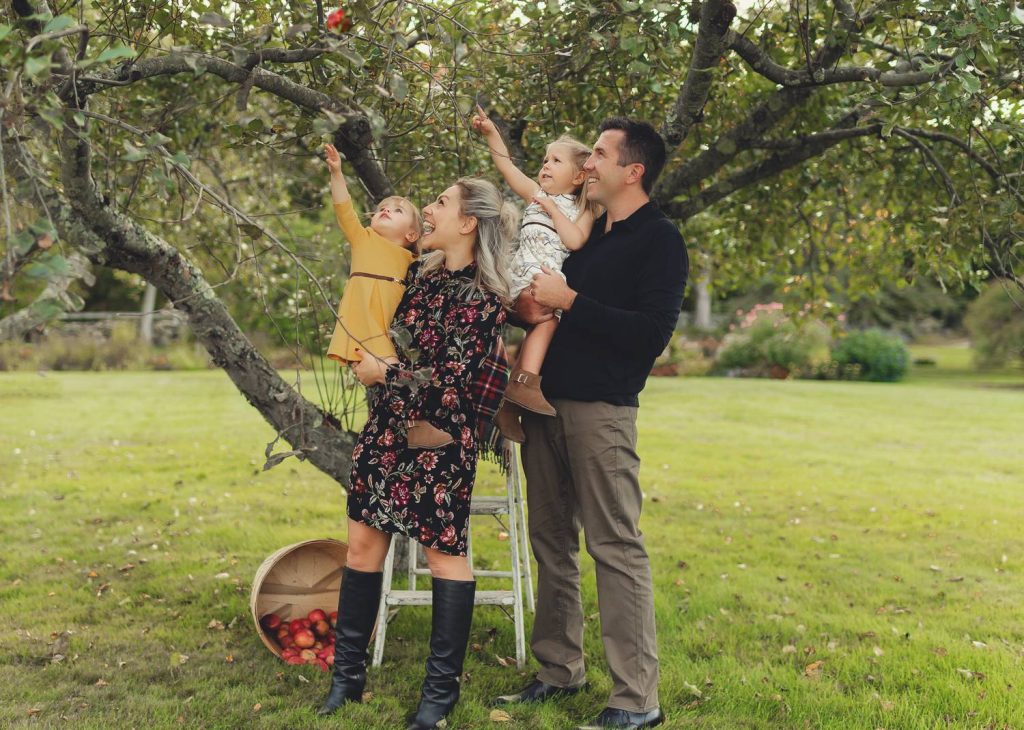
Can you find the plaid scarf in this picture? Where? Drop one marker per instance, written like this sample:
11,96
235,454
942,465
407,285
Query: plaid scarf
486,392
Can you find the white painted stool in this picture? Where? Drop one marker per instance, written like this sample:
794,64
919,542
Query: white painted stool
512,504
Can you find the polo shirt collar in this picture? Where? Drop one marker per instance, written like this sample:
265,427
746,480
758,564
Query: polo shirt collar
638,217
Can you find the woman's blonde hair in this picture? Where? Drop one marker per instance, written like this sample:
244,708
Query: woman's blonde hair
580,153
497,224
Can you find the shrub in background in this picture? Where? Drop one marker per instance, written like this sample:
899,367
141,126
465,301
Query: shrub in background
766,342
877,355
995,322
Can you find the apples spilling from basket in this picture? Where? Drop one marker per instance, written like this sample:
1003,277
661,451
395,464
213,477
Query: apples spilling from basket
307,640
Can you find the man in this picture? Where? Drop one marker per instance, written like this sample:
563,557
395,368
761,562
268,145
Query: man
619,302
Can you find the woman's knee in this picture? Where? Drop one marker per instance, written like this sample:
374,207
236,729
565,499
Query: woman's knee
367,547
448,567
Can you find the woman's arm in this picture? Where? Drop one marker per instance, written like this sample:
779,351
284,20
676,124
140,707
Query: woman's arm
573,234
454,364
523,186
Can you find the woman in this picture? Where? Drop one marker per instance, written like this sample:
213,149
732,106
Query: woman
415,461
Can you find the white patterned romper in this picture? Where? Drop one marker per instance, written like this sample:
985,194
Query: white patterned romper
539,243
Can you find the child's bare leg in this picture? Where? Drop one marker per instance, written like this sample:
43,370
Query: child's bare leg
535,346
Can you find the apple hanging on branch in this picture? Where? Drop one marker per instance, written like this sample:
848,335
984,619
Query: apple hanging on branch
339,21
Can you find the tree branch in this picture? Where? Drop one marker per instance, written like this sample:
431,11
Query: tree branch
802,149
109,238
763,64
715,17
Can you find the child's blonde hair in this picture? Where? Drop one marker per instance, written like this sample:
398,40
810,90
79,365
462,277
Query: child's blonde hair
580,153
417,219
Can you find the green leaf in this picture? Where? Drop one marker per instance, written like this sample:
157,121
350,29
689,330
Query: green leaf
157,139
214,19
133,153
182,159
399,88
352,57
49,268
58,23
53,116
36,65
46,309
4,30
970,83
252,231
118,51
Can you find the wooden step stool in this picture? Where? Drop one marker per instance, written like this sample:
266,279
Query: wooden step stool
512,505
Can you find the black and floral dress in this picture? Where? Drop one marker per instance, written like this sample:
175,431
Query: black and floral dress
425,493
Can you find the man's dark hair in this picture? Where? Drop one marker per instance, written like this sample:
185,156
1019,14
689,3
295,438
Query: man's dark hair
642,144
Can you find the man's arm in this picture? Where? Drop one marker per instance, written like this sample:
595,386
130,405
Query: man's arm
647,328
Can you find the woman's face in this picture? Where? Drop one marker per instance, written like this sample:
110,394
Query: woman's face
443,221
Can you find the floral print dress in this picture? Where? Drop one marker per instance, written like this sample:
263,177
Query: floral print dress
425,493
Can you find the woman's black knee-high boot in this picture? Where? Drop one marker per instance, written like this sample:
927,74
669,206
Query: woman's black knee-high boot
358,602
449,635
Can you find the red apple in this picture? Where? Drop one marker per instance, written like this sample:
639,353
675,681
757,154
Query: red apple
317,615
295,626
289,652
322,664
295,660
286,641
282,632
321,628
304,639
306,623
339,20
271,621
308,656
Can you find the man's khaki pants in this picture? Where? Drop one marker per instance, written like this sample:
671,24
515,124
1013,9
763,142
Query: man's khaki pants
582,471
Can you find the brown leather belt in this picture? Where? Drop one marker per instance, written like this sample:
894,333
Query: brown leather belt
377,276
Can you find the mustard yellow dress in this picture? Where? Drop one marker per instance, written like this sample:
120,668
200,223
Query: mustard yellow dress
374,289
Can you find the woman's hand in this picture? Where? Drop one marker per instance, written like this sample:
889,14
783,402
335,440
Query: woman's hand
333,159
371,370
482,124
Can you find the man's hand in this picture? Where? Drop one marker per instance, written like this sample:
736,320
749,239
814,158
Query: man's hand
550,290
529,312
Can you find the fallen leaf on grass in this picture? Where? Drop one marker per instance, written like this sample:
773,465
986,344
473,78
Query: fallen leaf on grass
104,683
503,536
940,651
692,689
505,661
500,716
957,579
215,624
789,649
813,670
878,651
33,711
257,707
979,644
970,674
178,659
302,678
230,659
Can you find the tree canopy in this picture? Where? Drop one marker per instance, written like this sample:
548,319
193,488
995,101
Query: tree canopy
834,145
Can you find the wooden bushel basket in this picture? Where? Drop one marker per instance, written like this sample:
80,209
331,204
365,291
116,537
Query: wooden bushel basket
296,579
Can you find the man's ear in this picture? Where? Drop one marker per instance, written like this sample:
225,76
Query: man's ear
635,174
468,224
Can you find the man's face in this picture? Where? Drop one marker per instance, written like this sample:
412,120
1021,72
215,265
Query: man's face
607,178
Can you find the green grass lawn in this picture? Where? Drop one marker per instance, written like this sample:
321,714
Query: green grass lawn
826,555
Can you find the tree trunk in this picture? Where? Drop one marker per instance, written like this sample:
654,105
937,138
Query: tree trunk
702,317
146,322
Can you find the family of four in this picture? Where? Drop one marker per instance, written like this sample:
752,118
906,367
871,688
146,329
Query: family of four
596,273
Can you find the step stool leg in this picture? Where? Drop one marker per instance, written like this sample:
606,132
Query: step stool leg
517,586
382,612
523,533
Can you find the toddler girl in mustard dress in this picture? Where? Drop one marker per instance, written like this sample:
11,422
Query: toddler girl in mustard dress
381,255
